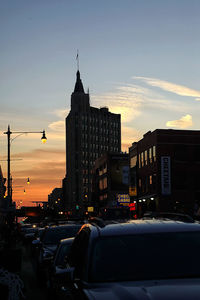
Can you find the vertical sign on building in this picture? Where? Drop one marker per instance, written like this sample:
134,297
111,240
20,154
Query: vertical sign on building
165,175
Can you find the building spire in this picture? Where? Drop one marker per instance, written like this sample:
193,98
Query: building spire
77,60
78,85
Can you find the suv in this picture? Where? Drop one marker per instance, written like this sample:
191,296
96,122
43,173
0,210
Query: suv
139,259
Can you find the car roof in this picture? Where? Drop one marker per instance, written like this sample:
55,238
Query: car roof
143,227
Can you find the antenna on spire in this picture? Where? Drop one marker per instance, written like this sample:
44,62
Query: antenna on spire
77,59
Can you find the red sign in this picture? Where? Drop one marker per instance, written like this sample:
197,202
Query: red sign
132,206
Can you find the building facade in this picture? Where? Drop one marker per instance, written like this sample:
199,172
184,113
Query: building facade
90,132
55,199
165,170
111,181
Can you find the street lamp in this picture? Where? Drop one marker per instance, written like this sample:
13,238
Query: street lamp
9,189
43,138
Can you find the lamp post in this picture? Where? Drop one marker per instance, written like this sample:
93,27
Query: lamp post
9,132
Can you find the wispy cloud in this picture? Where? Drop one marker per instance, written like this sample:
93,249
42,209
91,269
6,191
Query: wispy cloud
133,101
184,122
125,100
57,126
41,153
170,87
61,113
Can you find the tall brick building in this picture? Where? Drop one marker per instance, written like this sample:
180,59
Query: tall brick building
90,132
165,170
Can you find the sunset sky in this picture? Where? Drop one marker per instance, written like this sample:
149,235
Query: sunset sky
138,57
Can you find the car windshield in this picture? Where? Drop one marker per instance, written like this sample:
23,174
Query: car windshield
146,257
55,234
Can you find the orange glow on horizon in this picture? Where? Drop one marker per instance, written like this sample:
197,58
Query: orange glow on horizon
46,168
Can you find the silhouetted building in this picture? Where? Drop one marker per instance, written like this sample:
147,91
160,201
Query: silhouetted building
55,199
2,190
165,170
111,181
90,132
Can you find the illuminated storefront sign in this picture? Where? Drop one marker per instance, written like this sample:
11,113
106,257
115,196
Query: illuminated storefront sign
132,191
132,206
123,198
90,208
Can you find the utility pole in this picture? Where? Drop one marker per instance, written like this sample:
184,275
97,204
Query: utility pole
9,196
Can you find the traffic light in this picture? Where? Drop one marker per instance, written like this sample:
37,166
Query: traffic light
77,207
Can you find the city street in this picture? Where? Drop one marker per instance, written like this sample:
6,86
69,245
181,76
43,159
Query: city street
100,150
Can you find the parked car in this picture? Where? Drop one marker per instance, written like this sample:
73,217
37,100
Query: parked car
47,244
29,234
142,259
56,271
35,245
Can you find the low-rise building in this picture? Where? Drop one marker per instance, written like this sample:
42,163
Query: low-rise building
55,199
165,170
111,180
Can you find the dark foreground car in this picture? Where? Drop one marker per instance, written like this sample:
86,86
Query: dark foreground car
144,259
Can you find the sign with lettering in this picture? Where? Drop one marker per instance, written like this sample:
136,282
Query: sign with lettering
90,209
123,198
165,175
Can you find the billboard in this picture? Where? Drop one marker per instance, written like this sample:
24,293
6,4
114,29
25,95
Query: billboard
119,175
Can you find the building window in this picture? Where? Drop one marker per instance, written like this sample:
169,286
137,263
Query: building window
105,183
145,157
101,184
150,155
133,161
154,153
150,179
142,159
